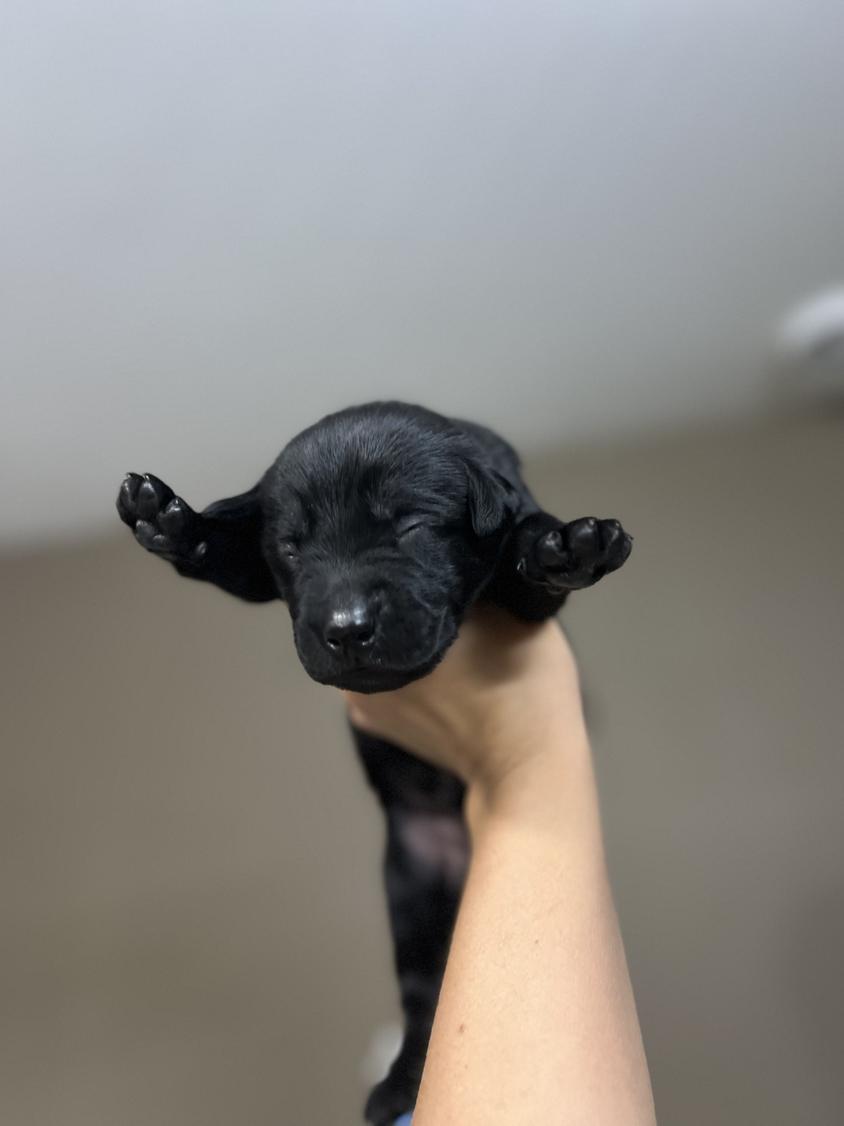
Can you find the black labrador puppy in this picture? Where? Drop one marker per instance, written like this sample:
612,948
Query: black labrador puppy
379,527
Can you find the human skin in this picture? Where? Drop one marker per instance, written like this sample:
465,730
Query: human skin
536,1021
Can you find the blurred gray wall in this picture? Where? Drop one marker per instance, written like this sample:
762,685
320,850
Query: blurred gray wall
193,930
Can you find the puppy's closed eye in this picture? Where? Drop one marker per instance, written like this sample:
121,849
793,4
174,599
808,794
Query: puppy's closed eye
407,525
288,550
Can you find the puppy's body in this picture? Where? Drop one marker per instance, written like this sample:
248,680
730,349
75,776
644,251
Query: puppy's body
379,527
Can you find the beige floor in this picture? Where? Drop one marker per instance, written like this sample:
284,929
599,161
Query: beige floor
193,933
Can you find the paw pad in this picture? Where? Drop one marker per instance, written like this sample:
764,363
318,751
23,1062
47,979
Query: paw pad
162,522
575,555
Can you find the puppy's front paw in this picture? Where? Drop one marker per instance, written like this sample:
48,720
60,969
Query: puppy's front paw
162,522
574,555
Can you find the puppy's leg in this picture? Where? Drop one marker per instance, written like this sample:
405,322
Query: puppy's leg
221,545
424,869
547,558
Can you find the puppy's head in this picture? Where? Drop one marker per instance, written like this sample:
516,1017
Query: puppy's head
382,523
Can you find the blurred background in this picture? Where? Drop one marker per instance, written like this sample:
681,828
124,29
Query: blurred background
614,233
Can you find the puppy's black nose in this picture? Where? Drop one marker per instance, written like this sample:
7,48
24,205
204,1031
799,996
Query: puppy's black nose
350,628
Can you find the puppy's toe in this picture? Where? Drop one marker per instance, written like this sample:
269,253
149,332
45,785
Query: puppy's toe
152,496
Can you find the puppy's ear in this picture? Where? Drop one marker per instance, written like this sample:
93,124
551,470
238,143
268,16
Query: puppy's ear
492,500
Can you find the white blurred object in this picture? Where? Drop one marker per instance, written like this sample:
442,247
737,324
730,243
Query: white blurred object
811,342
382,1050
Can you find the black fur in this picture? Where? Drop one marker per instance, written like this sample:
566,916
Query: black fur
379,527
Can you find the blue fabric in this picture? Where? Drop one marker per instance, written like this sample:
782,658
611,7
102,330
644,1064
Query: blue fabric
403,1121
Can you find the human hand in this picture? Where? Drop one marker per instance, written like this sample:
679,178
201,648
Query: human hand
505,697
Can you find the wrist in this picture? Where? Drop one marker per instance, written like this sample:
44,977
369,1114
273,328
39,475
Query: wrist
536,788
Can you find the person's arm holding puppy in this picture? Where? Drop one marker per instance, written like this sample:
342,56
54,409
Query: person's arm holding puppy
536,1020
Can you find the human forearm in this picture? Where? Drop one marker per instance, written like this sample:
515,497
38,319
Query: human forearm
536,1020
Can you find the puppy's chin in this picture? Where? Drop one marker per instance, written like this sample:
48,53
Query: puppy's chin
367,681
374,678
